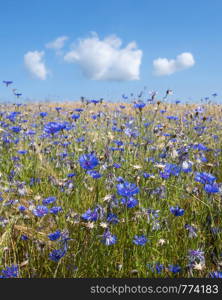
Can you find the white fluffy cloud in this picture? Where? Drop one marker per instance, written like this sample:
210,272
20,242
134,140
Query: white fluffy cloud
164,66
105,59
57,44
35,64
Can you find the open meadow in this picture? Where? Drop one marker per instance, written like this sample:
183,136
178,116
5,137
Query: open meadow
96,189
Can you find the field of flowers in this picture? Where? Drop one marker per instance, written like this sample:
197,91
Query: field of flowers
94,189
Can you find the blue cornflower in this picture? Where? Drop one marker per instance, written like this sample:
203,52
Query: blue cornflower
70,175
170,169
66,126
94,117
115,128
130,202
16,129
22,151
127,189
48,200
147,124
58,108
79,109
201,157
157,267
116,149
204,178
55,235
177,211
12,116
94,174
118,143
117,166
24,237
199,129
43,114
211,188
40,211
172,118
174,268
80,139
200,147
31,132
91,215
215,274
88,161
112,218
56,255
167,134
55,210
75,117
94,101
53,127
22,208
10,272
140,240
147,175
108,238
139,105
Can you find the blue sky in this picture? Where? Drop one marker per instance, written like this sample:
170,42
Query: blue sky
160,29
